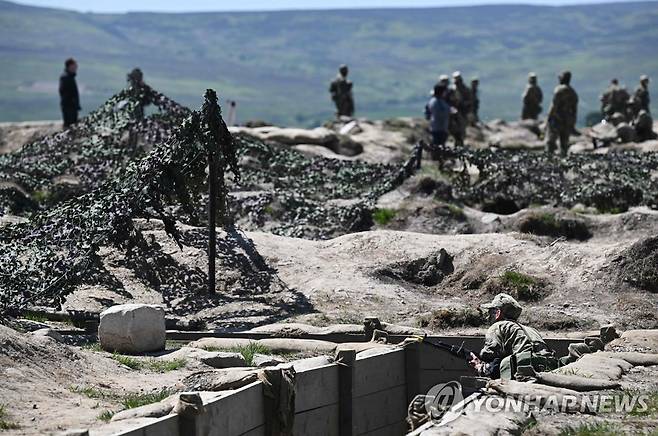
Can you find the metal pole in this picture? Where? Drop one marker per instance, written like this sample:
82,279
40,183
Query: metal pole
212,218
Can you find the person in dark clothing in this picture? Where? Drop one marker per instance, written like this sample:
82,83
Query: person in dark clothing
437,111
68,93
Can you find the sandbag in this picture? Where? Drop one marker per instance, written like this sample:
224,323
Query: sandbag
292,330
219,379
634,358
541,393
575,382
646,340
275,345
155,410
482,422
597,366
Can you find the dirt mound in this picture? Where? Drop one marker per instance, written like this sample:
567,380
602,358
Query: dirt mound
638,264
427,271
551,224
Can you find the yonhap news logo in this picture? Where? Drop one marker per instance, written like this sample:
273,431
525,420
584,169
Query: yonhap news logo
441,399
445,402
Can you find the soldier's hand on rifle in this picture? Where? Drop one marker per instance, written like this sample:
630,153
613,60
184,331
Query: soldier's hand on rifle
477,364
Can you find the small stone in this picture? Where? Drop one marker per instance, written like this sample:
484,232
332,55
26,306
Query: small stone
48,332
261,360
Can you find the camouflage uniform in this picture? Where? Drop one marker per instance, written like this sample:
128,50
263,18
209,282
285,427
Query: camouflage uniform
475,83
459,97
614,100
641,97
532,99
643,125
512,344
562,115
341,93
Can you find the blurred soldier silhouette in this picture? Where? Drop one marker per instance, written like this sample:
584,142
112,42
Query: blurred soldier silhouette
614,100
341,93
437,111
68,93
641,96
532,99
562,115
459,97
135,80
475,84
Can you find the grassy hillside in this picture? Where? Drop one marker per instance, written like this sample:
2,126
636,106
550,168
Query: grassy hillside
277,64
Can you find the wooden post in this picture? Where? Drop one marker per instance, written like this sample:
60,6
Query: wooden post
345,360
412,370
212,220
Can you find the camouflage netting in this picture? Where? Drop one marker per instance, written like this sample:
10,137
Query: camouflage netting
511,180
81,158
45,259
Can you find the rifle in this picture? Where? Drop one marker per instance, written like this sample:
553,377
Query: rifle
458,351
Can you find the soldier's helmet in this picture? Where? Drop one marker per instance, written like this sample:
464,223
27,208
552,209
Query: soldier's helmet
532,77
644,78
457,75
507,304
443,78
343,69
565,77
475,79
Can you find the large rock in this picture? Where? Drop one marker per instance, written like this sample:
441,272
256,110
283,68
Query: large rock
132,328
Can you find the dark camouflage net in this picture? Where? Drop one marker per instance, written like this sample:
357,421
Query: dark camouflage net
44,260
511,180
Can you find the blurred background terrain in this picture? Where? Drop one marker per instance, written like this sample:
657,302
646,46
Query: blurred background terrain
278,65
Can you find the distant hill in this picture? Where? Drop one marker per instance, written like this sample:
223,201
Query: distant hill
277,65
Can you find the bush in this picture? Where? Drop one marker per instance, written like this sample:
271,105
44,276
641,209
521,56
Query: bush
383,216
547,224
521,286
449,317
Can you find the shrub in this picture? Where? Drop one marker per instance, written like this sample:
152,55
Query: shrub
383,216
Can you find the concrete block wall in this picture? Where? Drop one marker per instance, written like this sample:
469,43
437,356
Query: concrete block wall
367,397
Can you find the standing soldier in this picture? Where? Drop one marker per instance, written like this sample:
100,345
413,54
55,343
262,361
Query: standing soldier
341,93
614,100
642,94
562,115
459,97
68,93
532,99
475,83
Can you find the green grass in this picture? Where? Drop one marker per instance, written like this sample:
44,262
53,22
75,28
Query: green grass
150,364
105,415
93,346
165,365
128,361
34,316
525,287
247,351
595,429
133,400
5,420
92,392
456,211
383,216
